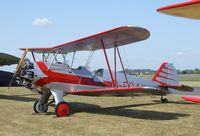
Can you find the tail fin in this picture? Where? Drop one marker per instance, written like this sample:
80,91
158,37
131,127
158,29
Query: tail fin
166,75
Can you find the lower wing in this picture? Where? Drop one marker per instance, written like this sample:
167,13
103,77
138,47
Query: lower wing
120,91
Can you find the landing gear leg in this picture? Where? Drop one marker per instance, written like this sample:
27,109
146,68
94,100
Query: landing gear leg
62,109
39,108
163,100
41,105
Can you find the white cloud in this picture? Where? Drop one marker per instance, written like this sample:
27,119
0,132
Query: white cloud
41,22
180,53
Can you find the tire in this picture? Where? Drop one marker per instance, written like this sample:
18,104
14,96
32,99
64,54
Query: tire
62,109
38,108
164,100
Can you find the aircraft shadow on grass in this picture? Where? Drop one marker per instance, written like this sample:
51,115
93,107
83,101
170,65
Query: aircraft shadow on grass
20,98
178,102
121,111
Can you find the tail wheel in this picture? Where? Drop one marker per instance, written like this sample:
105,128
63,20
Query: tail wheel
39,108
62,109
165,100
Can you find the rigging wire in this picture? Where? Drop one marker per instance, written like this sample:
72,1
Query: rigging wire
73,59
89,58
128,66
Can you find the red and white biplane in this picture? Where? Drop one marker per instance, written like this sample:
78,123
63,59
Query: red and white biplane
51,76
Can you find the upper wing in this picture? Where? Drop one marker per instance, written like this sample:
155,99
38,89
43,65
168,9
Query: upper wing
187,9
131,91
120,36
6,59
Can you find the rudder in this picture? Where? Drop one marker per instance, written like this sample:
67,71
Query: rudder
166,75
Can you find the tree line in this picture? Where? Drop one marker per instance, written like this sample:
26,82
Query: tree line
151,72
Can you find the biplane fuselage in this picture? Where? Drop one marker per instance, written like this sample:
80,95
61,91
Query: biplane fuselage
61,77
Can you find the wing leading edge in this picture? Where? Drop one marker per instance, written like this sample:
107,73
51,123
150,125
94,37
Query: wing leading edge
120,36
131,91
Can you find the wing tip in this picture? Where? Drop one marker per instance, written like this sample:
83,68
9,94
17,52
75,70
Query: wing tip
187,3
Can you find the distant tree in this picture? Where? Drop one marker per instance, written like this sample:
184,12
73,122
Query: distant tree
184,72
152,72
178,71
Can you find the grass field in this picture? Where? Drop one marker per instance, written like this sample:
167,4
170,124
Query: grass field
99,116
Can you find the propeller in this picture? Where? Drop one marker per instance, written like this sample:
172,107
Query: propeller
19,67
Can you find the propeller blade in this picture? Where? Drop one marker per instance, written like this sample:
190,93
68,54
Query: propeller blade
19,67
14,75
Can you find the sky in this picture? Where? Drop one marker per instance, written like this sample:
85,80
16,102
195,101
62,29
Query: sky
44,23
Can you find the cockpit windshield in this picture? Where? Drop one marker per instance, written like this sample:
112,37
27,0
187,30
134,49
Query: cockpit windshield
99,73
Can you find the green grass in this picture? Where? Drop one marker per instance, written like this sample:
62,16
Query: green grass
190,77
98,116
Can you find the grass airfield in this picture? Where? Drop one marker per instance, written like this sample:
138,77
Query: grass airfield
107,116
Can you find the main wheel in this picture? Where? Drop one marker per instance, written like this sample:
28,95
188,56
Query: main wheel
39,108
164,100
62,109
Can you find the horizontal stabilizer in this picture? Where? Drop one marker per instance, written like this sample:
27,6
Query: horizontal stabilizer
181,88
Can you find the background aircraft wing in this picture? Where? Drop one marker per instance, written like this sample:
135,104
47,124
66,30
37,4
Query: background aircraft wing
121,35
131,91
192,98
190,9
6,59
